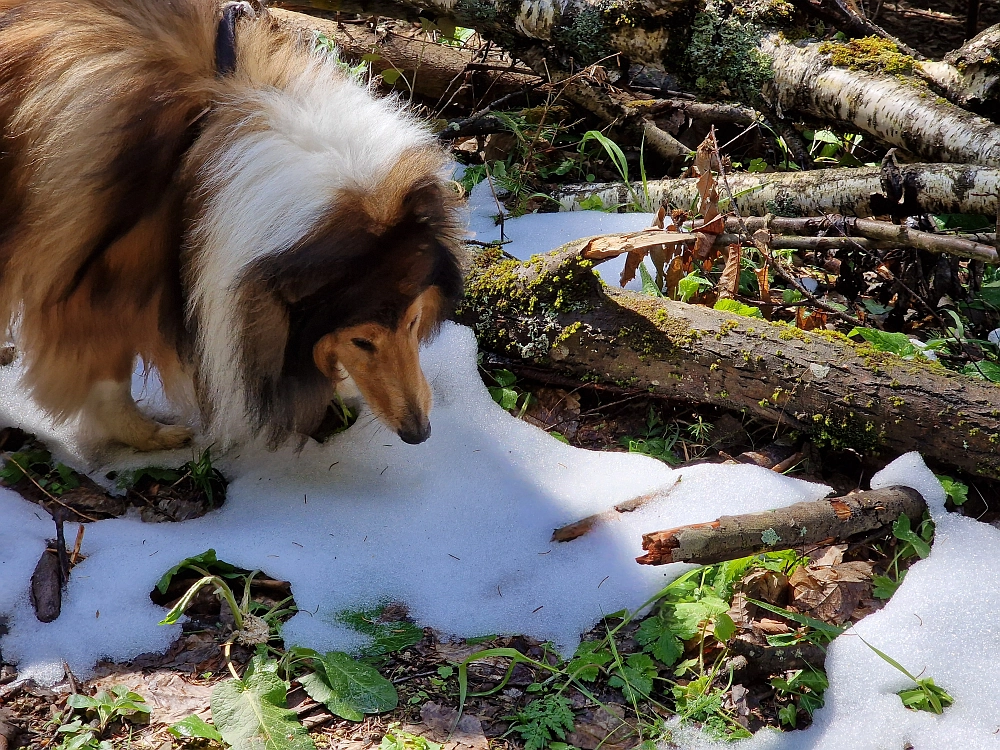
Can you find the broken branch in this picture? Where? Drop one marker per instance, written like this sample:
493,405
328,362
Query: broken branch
793,527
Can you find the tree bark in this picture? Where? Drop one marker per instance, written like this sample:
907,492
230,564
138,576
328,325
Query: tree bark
435,71
896,111
969,76
557,39
553,311
924,188
792,527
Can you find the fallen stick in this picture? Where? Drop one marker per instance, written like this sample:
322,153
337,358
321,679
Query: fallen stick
574,530
799,525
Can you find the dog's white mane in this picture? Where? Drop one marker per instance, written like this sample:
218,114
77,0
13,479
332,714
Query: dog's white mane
267,189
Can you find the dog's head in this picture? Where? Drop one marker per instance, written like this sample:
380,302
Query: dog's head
363,292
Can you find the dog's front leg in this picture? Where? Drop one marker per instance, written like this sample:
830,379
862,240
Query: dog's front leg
111,414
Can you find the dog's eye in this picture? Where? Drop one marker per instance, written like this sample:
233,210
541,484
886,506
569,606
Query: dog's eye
364,345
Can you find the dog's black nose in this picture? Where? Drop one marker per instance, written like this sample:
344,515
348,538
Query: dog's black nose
415,433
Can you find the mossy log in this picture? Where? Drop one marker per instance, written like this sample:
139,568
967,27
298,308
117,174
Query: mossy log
553,311
898,110
796,526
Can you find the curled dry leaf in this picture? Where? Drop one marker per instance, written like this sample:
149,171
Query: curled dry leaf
729,282
636,244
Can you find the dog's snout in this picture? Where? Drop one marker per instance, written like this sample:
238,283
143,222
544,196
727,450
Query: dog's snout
415,431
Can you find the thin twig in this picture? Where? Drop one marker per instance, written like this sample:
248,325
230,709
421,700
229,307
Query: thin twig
48,494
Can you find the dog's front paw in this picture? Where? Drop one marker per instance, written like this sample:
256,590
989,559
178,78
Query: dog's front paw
166,437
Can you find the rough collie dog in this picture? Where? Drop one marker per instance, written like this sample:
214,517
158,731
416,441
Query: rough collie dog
181,182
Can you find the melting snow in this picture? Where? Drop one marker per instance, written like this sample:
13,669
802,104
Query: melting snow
458,528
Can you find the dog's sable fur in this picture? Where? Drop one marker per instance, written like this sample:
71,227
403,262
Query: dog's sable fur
255,233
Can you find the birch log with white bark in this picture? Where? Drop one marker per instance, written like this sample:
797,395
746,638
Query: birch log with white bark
927,188
556,39
896,110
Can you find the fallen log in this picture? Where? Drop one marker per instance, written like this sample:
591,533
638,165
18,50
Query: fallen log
924,188
893,109
553,312
792,527
435,71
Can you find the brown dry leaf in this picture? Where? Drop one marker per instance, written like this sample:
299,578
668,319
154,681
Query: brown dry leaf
808,321
765,585
706,236
739,610
613,245
675,272
831,592
729,282
661,215
605,727
437,722
555,408
763,282
772,627
704,161
171,697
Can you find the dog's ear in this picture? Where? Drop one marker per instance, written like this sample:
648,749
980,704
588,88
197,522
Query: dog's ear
424,204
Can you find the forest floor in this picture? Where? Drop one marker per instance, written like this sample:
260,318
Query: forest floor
631,676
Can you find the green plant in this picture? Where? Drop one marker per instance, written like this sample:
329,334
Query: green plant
107,706
507,394
924,695
658,441
640,202
915,544
692,285
203,475
397,739
957,492
542,721
804,689
254,623
36,464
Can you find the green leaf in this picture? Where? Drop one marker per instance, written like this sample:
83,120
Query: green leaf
194,727
823,627
790,296
825,136
348,687
250,714
884,587
656,637
957,492
788,714
735,306
391,75
724,627
593,203
206,560
78,700
543,720
893,343
757,165
396,739
983,370
504,378
901,530
586,663
648,285
387,637
691,285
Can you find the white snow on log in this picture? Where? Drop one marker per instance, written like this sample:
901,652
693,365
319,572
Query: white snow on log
532,234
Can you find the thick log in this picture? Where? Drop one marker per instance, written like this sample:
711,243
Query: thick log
792,527
897,112
552,311
925,188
